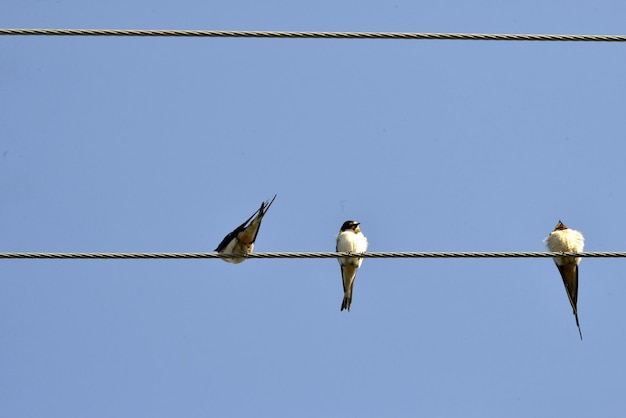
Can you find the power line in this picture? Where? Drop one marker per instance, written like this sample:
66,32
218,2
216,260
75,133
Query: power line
405,254
323,35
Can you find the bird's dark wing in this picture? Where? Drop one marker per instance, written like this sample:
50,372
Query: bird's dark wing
228,238
569,274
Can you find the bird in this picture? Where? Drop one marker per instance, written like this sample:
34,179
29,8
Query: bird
240,242
563,239
350,240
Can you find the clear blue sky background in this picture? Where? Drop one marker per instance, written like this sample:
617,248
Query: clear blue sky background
167,144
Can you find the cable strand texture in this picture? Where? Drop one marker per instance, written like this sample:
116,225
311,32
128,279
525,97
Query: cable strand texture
404,254
323,35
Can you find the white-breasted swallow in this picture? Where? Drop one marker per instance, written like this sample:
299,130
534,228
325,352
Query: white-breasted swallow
566,240
241,240
349,240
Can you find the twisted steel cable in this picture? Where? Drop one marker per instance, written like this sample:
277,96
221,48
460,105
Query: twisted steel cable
323,35
404,254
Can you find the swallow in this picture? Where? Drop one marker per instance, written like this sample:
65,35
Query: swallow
241,240
566,240
349,240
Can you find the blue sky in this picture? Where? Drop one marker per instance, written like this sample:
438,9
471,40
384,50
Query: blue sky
167,144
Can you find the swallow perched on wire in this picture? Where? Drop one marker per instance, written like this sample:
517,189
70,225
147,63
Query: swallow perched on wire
241,240
349,240
566,240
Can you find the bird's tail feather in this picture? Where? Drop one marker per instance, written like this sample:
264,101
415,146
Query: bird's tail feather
578,325
347,300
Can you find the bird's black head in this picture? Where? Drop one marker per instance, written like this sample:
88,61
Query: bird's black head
347,225
560,226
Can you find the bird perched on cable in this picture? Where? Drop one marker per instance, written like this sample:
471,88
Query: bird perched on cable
241,240
350,240
566,240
